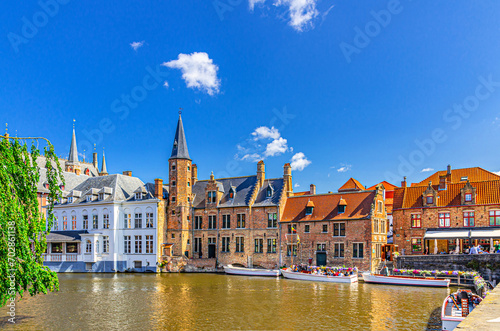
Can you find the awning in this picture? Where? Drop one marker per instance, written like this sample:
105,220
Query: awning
447,234
485,233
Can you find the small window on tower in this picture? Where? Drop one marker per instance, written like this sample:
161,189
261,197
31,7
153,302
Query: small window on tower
173,183
189,168
189,184
173,166
173,199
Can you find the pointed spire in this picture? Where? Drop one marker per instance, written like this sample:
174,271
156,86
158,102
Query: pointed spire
73,152
104,171
179,149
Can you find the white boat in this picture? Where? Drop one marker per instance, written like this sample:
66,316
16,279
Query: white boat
287,273
402,280
456,307
232,270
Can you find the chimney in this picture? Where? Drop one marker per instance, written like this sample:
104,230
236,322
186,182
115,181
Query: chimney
159,188
448,170
127,173
194,174
403,183
261,173
287,178
94,160
312,189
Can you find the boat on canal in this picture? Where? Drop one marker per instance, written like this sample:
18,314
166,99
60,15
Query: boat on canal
322,274
403,280
241,271
457,306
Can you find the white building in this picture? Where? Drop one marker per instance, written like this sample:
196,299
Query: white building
105,224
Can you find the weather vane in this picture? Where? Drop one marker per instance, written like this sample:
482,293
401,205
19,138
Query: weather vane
74,123
180,110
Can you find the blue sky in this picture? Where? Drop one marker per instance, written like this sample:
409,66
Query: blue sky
373,90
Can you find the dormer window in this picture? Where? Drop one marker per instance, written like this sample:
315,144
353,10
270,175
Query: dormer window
231,193
464,178
429,200
269,192
309,210
70,200
342,205
89,198
46,185
101,196
212,196
61,187
138,196
468,197
309,207
341,209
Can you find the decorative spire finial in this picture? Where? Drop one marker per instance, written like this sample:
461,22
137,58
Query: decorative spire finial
94,147
74,123
6,128
180,110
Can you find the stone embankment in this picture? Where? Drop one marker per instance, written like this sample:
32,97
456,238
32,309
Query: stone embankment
486,316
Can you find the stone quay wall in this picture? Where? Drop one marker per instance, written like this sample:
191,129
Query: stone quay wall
488,265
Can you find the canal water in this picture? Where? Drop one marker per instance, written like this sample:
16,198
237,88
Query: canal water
212,301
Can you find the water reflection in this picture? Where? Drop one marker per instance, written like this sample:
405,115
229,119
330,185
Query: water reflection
207,301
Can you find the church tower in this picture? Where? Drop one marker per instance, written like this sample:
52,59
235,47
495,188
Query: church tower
73,165
180,193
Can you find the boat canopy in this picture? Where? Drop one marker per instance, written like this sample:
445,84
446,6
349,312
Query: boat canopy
485,233
448,234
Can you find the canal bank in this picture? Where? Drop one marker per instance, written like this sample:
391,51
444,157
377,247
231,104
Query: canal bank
486,316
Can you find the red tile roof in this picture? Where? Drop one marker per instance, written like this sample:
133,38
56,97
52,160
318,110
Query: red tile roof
352,185
326,207
388,186
487,192
475,174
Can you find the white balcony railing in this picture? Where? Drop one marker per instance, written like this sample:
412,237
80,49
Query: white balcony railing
61,258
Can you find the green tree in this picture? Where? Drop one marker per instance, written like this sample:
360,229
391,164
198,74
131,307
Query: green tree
23,227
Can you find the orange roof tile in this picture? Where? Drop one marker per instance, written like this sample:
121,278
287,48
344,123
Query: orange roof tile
326,207
487,192
352,185
475,174
388,186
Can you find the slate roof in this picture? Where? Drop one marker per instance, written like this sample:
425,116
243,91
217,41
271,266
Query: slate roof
65,236
179,148
72,180
351,185
122,187
487,192
475,174
326,207
244,187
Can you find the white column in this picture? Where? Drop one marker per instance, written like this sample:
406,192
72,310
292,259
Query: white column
435,246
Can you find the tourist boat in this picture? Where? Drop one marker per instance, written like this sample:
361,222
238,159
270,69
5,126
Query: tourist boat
288,273
457,306
403,280
232,270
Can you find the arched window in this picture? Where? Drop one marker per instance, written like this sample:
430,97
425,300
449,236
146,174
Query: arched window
105,219
73,220
88,247
85,216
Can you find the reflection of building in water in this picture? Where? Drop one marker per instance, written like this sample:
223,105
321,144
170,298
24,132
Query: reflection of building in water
448,212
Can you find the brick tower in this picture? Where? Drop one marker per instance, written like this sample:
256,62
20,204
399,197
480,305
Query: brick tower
180,194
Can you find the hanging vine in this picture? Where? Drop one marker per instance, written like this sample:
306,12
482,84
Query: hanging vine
23,224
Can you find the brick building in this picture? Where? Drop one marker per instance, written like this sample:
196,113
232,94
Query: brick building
223,220
344,228
448,211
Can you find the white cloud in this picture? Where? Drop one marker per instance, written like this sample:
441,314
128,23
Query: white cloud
427,169
299,162
263,132
276,147
254,157
296,185
497,173
302,12
165,84
198,71
344,168
252,3
136,45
